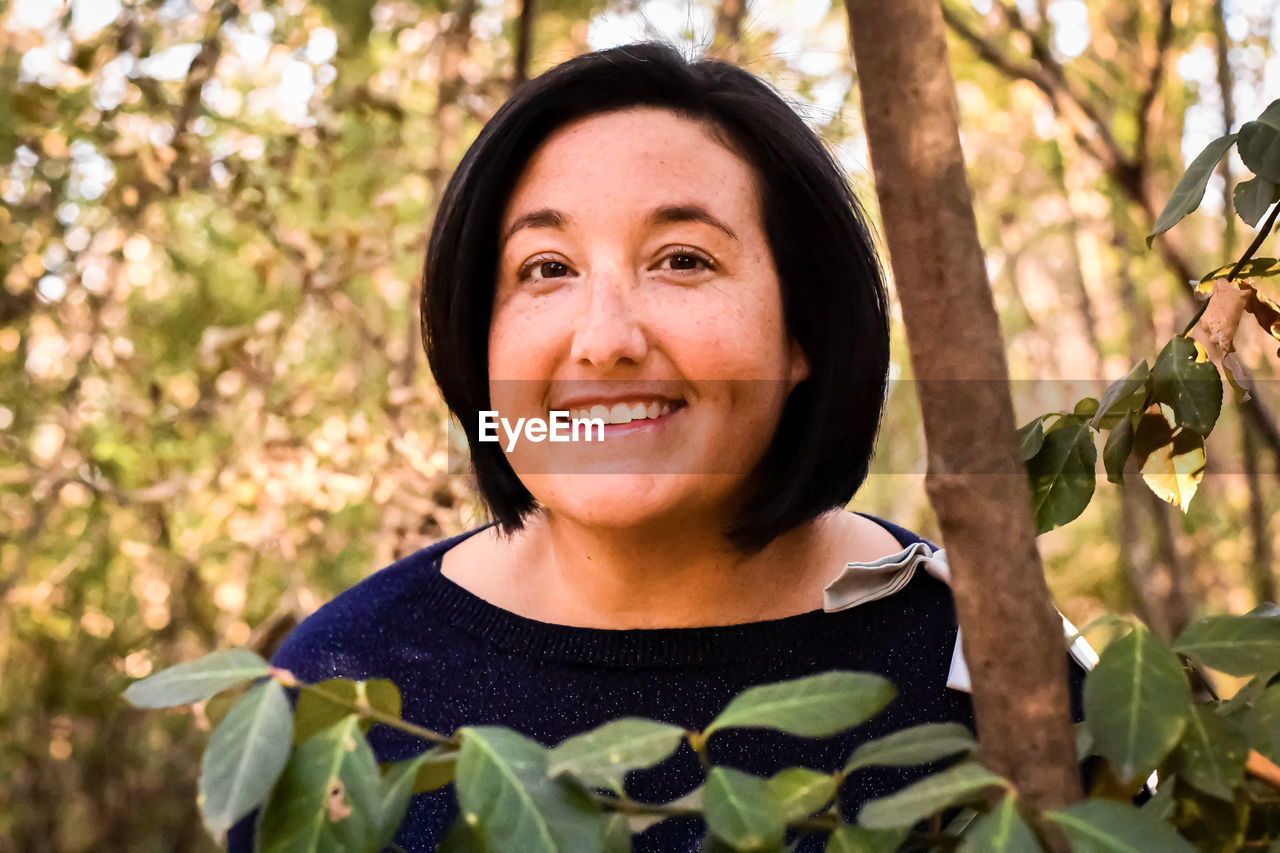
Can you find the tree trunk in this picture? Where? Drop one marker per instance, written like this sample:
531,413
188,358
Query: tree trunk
976,482
1262,579
454,49
524,42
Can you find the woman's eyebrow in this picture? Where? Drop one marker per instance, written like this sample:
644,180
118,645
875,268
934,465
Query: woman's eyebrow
671,213
666,215
545,218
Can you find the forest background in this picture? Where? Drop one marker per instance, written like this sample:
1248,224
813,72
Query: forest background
214,411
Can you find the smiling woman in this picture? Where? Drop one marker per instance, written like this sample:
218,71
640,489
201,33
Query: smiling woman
665,247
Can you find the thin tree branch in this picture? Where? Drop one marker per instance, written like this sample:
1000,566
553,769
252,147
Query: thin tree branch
1164,38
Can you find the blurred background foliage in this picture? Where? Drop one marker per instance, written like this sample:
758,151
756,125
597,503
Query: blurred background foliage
214,407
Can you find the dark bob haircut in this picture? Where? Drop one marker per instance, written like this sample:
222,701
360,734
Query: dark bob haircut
833,293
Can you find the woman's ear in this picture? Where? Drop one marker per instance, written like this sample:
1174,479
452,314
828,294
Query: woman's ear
799,369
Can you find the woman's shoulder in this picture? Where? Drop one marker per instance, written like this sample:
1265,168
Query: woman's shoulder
350,634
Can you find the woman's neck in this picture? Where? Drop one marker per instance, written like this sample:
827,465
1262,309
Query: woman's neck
555,570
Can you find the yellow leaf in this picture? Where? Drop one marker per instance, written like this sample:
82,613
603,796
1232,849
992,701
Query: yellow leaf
1174,470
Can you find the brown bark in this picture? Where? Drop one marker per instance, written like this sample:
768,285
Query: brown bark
1228,119
976,482
524,42
1262,579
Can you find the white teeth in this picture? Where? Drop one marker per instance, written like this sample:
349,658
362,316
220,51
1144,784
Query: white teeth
622,413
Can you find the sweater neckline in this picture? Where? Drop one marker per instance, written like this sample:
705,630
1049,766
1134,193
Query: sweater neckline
519,635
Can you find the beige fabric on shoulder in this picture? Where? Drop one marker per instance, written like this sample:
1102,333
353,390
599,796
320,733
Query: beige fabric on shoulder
859,583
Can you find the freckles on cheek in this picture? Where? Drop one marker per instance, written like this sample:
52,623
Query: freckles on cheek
524,336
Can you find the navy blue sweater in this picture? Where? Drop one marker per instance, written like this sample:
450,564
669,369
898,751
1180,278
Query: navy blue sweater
460,660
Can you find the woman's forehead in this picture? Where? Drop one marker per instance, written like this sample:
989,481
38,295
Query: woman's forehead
643,158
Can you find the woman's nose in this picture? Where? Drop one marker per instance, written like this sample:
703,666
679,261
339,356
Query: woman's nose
608,331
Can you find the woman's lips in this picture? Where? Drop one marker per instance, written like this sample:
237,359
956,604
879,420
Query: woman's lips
645,425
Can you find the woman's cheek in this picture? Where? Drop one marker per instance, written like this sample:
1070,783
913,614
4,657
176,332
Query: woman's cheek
711,336
527,331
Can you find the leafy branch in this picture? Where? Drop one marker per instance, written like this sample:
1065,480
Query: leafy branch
311,773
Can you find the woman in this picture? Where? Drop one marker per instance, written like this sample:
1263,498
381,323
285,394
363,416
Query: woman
666,247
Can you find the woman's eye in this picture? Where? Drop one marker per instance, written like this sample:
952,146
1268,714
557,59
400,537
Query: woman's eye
685,261
540,269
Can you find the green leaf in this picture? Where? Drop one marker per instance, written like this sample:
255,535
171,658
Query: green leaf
1030,437
1190,189
1103,826
800,792
400,781
437,769
1253,268
1262,724
245,755
461,838
859,839
916,745
1136,702
197,680
504,790
1117,449
932,794
617,834
1189,383
1002,830
1236,645
600,758
324,704
1260,143
814,706
1061,474
1086,406
740,810
1252,198
1211,754
691,801
1121,395
329,798
1246,697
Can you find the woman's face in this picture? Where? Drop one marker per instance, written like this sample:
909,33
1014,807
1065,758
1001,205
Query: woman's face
635,280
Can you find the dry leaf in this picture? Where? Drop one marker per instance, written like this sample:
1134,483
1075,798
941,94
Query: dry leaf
1222,317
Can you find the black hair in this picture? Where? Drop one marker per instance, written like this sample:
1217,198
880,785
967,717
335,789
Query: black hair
833,292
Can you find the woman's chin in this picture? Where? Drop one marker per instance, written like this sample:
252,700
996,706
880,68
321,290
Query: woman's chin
616,501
